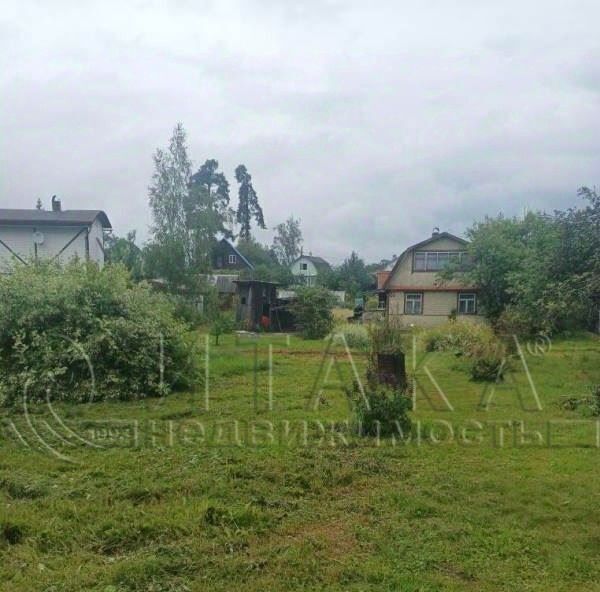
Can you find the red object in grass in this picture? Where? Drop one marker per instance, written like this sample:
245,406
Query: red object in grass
265,322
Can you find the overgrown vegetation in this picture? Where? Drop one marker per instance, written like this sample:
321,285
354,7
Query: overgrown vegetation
356,336
77,332
382,408
382,411
313,310
485,352
540,273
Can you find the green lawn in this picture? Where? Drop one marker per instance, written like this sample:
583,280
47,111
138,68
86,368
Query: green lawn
273,492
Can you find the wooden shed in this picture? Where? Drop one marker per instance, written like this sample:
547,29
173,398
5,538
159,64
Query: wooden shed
256,299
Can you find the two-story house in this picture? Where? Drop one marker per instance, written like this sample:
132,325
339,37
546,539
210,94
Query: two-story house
307,268
227,259
412,291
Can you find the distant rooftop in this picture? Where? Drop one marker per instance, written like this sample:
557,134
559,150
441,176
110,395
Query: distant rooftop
52,218
318,262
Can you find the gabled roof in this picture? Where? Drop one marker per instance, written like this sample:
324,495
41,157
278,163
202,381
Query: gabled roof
52,218
225,241
420,245
318,262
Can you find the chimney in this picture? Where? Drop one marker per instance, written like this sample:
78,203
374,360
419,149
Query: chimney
436,231
55,204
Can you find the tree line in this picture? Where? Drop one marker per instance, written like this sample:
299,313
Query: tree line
541,272
192,210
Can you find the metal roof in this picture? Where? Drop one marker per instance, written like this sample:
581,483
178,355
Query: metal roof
435,236
52,218
318,262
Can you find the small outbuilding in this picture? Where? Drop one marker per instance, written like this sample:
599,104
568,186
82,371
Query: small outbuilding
256,301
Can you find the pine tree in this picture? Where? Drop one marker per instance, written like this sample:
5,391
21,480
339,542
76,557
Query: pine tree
248,206
209,200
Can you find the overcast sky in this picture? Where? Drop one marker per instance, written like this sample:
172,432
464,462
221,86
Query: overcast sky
371,121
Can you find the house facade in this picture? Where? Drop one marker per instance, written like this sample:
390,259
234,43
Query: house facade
307,268
226,258
56,235
412,291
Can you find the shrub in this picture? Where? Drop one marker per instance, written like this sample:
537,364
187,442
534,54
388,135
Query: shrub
457,336
223,322
487,364
386,412
313,311
372,303
386,337
58,323
486,354
356,336
513,321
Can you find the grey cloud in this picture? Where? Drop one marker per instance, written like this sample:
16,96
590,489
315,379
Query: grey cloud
373,123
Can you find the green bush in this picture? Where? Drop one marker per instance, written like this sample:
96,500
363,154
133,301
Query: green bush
386,413
356,336
487,364
223,322
514,321
485,353
312,310
386,338
457,336
60,324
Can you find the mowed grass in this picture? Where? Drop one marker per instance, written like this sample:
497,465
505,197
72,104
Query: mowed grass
267,488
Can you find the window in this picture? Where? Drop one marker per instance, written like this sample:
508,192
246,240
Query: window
243,299
419,261
303,266
232,259
467,303
413,303
437,260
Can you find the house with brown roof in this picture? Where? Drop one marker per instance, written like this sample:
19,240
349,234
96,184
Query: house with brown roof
412,291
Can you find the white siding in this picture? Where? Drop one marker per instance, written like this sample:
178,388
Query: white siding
55,238
97,243
310,273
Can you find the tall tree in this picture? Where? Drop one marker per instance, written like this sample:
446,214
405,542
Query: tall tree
351,276
248,206
124,250
174,254
540,272
287,241
209,200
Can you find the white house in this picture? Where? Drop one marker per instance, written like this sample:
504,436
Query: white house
27,235
307,268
